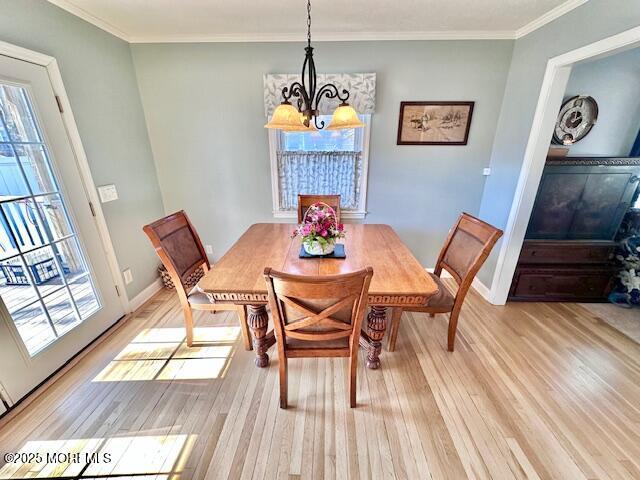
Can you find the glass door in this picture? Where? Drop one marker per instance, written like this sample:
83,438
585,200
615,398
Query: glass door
50,285
44,281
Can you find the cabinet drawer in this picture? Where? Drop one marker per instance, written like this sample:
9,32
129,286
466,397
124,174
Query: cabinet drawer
558,285
566,252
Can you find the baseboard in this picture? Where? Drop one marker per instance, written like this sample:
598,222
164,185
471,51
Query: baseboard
481,288
139,300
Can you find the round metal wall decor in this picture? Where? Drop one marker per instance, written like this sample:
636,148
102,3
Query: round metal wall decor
577,117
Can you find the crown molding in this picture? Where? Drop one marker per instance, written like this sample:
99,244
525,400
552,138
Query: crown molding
549,17
92,19
539,22
328,37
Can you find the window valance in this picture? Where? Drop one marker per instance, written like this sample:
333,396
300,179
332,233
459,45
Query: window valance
361,86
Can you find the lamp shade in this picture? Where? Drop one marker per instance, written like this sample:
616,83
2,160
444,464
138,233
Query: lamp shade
345,117
286,117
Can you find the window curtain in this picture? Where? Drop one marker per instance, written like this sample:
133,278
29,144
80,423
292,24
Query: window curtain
321,173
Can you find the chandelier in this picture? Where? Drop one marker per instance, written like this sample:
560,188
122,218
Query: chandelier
307,96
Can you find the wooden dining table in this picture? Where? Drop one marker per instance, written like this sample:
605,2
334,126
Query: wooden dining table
398,278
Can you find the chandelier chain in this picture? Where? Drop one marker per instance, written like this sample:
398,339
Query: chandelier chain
309,22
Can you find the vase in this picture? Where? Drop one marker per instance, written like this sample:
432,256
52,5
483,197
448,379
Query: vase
315,248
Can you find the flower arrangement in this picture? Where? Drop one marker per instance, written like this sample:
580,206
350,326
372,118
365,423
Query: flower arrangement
627,290
319,229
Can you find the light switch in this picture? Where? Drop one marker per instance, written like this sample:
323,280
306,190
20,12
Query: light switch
208,249
128,277
108,193
486,171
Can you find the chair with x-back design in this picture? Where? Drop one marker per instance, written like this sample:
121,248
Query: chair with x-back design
318,317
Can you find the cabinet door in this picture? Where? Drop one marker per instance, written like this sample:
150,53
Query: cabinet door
605,199
554,209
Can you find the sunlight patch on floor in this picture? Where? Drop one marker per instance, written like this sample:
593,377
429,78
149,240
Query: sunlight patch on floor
159,457
162,354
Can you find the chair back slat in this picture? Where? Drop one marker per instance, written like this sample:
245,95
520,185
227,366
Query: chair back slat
178,246
305,201
318,309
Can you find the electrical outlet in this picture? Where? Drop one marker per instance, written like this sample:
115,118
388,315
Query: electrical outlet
486,171
208,249
128,277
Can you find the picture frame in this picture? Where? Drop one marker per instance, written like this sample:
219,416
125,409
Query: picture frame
434,123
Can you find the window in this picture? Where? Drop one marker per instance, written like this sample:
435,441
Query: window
44,279
324,162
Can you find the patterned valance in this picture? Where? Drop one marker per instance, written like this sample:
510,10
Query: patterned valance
361,86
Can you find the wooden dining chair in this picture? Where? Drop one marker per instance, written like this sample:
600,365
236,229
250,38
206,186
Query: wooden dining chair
179,247
466,248
318,317
305,201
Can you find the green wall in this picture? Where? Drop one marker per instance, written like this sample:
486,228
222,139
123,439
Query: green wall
205,113
100,80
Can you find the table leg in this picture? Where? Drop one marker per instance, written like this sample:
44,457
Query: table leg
258,320
376,326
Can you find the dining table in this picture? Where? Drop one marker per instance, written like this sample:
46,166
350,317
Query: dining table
399,280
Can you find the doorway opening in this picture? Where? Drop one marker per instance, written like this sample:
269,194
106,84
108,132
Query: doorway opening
550,100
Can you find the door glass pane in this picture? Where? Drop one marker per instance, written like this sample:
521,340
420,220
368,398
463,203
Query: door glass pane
12,182
45,282
35,165
34,327
43,270
56,222
17,292
19,121
61,310
83,294
71,259
25,224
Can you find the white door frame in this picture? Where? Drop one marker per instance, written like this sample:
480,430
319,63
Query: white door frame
51,65
553,88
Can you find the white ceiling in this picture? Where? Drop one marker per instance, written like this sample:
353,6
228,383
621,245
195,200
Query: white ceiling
282,20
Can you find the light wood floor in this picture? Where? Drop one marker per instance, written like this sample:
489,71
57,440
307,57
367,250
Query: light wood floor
627,320
532,391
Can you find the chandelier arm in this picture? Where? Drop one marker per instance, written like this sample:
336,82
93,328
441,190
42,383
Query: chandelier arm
320,125
329,90
296,89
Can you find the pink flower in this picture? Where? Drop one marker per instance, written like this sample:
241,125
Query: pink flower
340,227
324,233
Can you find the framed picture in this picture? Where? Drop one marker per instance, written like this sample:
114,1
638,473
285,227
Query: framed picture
434,123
